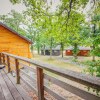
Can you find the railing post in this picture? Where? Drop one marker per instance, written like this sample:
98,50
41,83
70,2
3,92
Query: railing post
3,59
17,71
0,58
40,84
8,64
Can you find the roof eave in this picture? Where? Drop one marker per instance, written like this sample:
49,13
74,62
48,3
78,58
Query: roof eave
16,33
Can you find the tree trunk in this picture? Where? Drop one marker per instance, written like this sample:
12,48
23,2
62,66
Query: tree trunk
62,49
75,50
38,45
44,49
38,49
93,57
51,48
32,49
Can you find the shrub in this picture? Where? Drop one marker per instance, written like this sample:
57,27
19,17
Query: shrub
93,68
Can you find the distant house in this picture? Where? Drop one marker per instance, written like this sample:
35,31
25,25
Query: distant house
83,51
55,51
14,43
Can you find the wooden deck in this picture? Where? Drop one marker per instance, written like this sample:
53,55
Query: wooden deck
9,90
47,82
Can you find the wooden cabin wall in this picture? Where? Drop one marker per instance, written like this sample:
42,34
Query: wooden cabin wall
11,43
81,53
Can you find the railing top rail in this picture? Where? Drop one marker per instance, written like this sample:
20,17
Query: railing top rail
72,75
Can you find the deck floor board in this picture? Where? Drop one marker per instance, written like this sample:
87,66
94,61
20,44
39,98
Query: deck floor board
9,90
11,87
1,94
5,89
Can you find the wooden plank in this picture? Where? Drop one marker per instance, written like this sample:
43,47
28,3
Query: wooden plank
13,43
17,71
8,64
82,93
1,94
0,58
31,78
55,95
29,84
5,89
11,87
72,75
28,67
40,83
20,89
3,58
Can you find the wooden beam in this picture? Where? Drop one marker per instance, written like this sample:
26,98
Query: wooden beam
86,95
8,64
17,71
40,84
54,94
81,78
3,59
0,58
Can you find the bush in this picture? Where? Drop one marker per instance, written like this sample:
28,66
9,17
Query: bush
93,68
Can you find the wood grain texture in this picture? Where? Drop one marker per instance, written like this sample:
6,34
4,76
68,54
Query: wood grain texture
11,87
17,71
40,83
24,94
1,94
6,92
12,43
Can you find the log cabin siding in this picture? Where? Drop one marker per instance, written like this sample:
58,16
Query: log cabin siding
14,44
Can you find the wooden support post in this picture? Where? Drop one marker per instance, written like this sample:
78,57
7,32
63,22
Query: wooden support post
40,84
3,59
0,59
17,71
8,64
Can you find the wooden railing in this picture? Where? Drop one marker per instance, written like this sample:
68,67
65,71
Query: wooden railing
57,76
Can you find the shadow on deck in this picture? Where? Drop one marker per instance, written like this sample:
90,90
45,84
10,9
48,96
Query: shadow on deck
47,82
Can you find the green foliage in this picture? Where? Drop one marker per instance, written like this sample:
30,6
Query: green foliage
66,25
14,20
15,1
95,33
93,68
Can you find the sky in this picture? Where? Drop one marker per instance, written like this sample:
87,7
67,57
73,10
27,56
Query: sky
6,7
88,7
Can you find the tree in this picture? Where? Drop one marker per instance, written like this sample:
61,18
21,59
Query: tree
95,29
14,20
44,20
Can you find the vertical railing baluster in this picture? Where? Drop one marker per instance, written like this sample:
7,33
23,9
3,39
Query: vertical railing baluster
0,58
40,84
3,59
17,71
8,64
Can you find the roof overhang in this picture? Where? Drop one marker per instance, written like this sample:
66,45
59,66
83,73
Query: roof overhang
16,33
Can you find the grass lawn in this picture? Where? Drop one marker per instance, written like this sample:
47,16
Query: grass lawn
65,62
57,62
